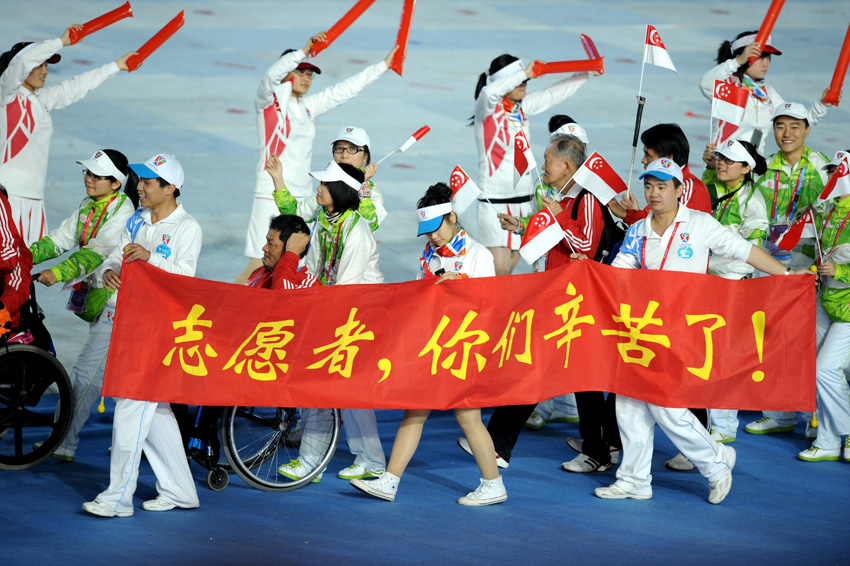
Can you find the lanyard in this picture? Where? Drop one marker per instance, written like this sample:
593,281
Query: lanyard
330,278
792,206
83,239
840,228
664,259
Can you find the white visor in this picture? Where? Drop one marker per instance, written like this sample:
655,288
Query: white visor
101,165
512,68
736,152
333,172
570,129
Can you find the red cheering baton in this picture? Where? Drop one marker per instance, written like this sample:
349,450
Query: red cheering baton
97,24
355,12
154,43
397,63
767,25
589,47
833,93
417,135
541,68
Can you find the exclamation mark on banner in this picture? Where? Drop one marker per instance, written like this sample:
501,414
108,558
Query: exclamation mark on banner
758,328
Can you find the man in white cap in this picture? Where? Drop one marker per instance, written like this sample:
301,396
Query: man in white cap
163,234
285,123
26,126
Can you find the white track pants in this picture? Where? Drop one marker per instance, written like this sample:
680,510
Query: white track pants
833,391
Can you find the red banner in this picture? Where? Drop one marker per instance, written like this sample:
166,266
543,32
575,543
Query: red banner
673,339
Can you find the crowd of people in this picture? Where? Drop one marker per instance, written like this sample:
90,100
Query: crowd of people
300,237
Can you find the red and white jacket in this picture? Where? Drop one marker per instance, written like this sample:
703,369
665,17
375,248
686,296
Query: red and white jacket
25,123
583,233
15,264
285,275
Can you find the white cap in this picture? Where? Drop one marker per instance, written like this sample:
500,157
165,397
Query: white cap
101,165
736,152
333,172
570,129
509,69
792,109
837,159
163,165
353,134
664,169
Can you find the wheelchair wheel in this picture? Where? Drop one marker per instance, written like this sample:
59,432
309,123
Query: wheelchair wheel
217,479
256,442
35,406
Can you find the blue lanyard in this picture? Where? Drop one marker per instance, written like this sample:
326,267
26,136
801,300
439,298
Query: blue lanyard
134,223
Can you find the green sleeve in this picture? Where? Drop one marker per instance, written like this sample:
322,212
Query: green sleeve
842,272
709,178
367,211
286,203
43,250
79,262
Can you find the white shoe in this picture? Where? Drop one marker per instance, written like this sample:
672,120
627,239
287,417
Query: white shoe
584,464
577,443
679,463
356,471
464,445
61,453
295,470
488,492
618,491
559,416
847,448
815,454
718,436
767,425
158,504
102,510
536,421
385,487
720,488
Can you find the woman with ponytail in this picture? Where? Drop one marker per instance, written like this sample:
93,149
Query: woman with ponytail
94,229
449,254
502,109
733,67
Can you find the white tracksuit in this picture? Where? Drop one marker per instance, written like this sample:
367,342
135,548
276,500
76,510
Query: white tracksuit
495,129
174,243
637,419
26,128
291,136
758,114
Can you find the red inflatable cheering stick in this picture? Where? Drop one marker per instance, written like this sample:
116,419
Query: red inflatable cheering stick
125,11
355,12
833,93
767,24
135,61
397,64
541,68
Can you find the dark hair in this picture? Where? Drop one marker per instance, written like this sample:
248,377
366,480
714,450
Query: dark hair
344,196
724,53
761,164
4,191
288,224
496,65
667,140
559,120
121,163
438,193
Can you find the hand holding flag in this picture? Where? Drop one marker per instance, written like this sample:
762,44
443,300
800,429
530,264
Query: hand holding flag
543,234
417,135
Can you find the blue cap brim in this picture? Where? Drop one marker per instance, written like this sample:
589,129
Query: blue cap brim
144,171
428,226
658,174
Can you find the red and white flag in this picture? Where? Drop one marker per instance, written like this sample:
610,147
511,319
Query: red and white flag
464,190
654,51
523,158
729,102
543,234
803,227
599,178
839,184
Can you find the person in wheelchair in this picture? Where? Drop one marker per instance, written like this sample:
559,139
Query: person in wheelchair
286,244
92,231
15,267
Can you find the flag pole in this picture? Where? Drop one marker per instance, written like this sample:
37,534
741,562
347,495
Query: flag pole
641,102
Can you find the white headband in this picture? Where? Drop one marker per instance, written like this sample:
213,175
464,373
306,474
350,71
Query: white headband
510,69
748,39
435,211
570,129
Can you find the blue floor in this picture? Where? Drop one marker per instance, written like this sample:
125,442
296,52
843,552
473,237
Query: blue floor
780,511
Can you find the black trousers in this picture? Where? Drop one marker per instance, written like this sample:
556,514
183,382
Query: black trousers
505,425
598,424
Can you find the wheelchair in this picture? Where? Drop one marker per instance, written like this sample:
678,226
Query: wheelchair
36,398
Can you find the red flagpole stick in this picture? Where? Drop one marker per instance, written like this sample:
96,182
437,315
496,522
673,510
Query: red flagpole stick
541,68
767,24
397,63
589,47
100,22
355,12
135,61
833,93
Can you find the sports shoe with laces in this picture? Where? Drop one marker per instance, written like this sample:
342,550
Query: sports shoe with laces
718,436
767,425
158,504
559,416
718,490
811,431
535,421
102,510
488,492
584,464
577,443
385,487
464,445
617,490
356,471
679,463
295,470
815,454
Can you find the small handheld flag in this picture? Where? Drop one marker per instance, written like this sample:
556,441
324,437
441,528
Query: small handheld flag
654,51
464,190
543,234
417,135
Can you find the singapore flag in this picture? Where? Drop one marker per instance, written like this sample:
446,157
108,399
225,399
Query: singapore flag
729,102
599,178
464,190
543,234
654,51
839,184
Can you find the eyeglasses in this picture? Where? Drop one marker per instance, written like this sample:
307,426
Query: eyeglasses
350,150
727,161
89,175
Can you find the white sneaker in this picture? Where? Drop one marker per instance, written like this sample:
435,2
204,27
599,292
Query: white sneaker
356,471
488,492
535,421
584,464
385,487
767,425
158,504
295,470
618,491
679,463
577,443
559,416
720,489
847,448
102,510
464,445
718,436
815,454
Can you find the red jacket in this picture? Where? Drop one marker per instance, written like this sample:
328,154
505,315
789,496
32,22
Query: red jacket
583,233
15,264
285,276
